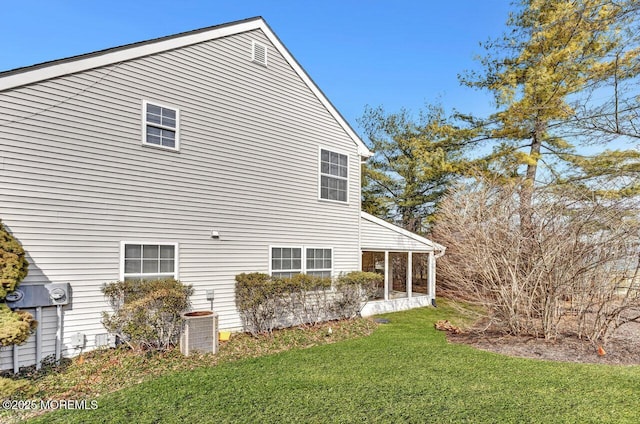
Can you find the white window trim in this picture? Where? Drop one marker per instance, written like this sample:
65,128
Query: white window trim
303,255
176,246
285,246
144,125
320,174
255,43
306,270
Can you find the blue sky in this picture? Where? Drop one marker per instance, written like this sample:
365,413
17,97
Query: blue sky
380,53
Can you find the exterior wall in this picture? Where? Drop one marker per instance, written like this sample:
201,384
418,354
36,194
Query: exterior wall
394,305
75,179
377,237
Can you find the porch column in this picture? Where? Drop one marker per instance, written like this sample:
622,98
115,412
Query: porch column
409,274
386,275
431,275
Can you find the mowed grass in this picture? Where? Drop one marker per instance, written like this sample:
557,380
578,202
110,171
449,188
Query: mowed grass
404,372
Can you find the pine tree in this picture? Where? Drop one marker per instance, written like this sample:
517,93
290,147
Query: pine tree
413,164
546,75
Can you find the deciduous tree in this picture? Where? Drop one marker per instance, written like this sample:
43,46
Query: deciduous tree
577,272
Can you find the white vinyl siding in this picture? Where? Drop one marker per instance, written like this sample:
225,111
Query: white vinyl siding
160,126
149,261
75,179
334,176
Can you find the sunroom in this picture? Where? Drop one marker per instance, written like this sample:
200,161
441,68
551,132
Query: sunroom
406,260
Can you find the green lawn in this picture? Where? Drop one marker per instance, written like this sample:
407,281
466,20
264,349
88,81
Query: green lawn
404,372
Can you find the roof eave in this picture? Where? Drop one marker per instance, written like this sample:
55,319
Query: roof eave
402,231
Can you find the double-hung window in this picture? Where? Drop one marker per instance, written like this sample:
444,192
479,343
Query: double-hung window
334,176
289,261
146,261
319,262
160,126
286,261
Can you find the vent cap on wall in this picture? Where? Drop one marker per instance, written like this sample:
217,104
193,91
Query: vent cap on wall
259,53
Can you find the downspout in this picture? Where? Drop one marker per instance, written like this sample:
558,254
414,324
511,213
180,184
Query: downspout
432,269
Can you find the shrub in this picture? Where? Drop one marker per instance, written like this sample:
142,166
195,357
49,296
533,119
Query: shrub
147,314
266,302
259,299
353,289
15,327
13,264
572,269
310,298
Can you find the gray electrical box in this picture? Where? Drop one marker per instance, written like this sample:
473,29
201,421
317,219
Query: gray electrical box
78,340
37,295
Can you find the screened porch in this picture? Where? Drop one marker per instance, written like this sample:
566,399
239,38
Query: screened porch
405,260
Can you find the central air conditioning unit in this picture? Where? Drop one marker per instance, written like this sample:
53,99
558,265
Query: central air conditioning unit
199,333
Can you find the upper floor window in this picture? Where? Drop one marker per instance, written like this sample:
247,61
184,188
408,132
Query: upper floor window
160,126
334,176
149,261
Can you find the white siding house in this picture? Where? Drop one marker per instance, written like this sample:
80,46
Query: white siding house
199,156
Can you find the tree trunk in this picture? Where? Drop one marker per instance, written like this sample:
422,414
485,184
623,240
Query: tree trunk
526,190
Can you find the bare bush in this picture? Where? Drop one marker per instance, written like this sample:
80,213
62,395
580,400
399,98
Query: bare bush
574,269
309,299
266,303
146,313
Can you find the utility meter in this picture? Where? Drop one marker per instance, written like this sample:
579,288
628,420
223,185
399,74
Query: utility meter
14,296
57,294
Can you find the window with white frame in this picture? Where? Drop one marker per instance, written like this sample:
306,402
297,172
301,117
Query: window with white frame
160,126
289,261
286,261
142,261
334,175
319,262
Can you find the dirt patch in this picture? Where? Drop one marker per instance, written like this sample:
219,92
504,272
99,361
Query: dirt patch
622,349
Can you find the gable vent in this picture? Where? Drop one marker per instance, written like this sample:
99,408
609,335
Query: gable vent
259,53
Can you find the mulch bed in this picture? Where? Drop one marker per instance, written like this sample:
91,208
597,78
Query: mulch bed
622,349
